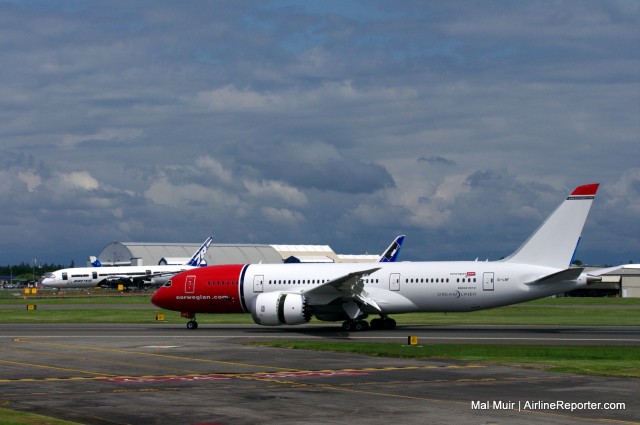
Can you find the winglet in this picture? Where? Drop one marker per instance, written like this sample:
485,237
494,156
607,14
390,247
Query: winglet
390,255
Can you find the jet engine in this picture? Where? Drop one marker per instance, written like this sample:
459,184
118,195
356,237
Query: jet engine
280,308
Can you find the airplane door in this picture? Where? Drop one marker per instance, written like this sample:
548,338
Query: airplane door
487,282
394,281
257,283
190,285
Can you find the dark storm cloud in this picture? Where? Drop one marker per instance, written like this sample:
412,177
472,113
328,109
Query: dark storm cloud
342,175
460,124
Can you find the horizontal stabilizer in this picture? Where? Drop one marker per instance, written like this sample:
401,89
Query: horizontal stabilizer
600,272
561,276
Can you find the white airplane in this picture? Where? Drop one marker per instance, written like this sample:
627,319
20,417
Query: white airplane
138,276
290,294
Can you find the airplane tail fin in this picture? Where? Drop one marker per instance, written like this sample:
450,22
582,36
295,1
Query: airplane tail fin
198,258
94,262
555,242
390,255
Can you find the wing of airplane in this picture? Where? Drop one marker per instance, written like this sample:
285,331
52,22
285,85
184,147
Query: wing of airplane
347,289
138,280
141,277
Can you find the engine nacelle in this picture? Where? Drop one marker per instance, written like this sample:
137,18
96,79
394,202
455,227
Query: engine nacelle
280,308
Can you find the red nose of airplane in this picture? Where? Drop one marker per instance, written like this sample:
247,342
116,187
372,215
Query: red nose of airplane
158,299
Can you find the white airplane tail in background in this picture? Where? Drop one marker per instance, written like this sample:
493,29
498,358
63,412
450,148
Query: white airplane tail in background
556,240
198,258
390,255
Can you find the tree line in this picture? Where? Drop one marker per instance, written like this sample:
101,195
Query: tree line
24,270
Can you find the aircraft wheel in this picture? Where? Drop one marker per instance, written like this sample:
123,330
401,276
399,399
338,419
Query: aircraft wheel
362,325
347,326
389,324
192,324
376,324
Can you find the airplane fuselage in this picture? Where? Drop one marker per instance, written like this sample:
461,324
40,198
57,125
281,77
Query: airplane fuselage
89,277
395,287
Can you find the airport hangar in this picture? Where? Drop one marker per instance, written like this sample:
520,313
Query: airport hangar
623,283
140,254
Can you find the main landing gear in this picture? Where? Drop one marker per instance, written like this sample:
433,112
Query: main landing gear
192,324
383,323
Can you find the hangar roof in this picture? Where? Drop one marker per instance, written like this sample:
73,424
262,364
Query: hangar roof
304,253
121,253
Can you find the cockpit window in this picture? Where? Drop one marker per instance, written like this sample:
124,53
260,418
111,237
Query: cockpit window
168,284
49,275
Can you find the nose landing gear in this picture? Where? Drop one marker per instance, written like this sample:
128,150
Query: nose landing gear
191,324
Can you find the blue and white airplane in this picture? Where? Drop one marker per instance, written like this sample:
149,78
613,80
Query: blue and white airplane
129,276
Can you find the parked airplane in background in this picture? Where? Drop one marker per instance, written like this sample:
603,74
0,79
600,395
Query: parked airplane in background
138,276
290,294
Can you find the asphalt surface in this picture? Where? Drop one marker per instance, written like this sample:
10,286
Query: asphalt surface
166,374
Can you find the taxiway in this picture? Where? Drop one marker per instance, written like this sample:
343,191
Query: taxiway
166,374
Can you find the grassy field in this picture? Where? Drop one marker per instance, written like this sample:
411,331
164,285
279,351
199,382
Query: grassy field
16,417
585,301
591,360
17,297
548,311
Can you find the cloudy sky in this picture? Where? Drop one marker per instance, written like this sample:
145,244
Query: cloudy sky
461,124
